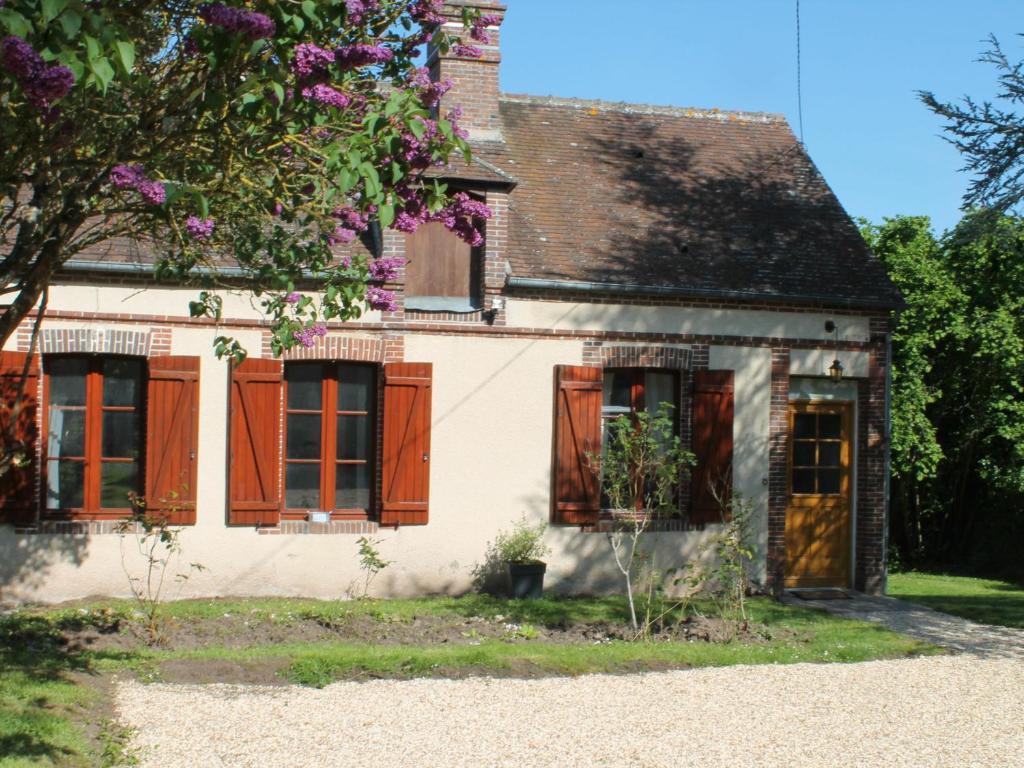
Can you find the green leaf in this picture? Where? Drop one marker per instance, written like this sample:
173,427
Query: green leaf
386,214
92,47
14,22
372,178
125,55
417,128
309,8
52,9
71,22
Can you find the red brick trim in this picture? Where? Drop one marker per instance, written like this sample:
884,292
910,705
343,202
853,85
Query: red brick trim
386,348
333,528
78,528
422,315
871,465
643,356
102,341
778,437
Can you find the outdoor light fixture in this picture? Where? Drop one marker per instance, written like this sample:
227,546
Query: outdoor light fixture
835,371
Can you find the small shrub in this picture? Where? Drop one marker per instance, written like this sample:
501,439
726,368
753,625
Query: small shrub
523,544
370,563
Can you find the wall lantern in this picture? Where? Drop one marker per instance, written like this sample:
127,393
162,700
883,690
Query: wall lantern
835,371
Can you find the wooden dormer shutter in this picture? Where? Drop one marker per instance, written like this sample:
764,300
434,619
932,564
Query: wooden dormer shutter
405,492
255,443
712,445
576,491
172,438
18,486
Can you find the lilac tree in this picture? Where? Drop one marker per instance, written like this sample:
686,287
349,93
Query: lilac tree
259,135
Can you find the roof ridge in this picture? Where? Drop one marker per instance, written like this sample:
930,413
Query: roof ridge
645,109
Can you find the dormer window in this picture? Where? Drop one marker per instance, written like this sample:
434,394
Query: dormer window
443,273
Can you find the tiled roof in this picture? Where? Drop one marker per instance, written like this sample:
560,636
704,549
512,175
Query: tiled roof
717,203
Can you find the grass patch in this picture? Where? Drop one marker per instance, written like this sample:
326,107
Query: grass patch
52,712
988,601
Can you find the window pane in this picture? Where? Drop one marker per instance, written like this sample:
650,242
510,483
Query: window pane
302,486
122,381
353,437
804,424
803,481
65,484
828,481
67,433
67,381
121,434
355,383
352,487
829,425
659,387
828,454
303,436
618,388
304,388
118,479
803,454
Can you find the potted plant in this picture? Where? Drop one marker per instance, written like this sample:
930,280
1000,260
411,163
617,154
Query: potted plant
522,548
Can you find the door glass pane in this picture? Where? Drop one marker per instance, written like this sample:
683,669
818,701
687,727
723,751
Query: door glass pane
118,479
829,425
65,484
122,382
303,436
659,387
803,481
804,425
353,437
121,434
355,383
66,433
352,487
618,388
67,381
302,486
828,454
803,454
304,389
828,481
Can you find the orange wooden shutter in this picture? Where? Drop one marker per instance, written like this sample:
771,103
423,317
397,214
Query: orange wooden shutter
576,490
18,485
712,445
255,443
405,493
172,438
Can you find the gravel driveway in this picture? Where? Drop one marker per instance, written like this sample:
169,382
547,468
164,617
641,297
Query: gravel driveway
949,711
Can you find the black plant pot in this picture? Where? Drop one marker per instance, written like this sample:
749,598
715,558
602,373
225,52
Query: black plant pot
526,580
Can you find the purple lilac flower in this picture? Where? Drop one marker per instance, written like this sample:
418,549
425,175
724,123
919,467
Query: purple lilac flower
311,60
341,235
427,12
324,94
479,29
378,298
361,54
122,176
467,51
351,218
383,270
152,192
357,9
42,85
293,298
19,58
200,229
307,336
278,209
252,25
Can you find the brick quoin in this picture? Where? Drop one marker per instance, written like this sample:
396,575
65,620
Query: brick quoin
778,439
871,470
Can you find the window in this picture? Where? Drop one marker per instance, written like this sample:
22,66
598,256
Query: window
631,390
443,271
817,453
329,437
94,408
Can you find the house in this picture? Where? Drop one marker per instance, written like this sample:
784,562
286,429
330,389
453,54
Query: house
637,254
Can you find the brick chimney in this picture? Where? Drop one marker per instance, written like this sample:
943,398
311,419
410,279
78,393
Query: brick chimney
475,81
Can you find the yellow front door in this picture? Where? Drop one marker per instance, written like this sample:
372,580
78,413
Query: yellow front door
818,512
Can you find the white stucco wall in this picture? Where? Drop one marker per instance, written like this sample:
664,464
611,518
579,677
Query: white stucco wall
491,458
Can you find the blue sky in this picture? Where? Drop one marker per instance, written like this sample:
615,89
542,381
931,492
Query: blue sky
863,60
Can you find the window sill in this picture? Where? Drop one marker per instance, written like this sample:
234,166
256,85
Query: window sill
606,524
333,528
78,527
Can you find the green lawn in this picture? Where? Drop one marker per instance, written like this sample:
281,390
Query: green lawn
985,600
50,713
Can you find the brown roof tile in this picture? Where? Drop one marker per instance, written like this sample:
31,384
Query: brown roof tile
707,201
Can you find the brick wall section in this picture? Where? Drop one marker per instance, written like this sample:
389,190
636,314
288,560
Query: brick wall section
475,87
778,437
872,453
